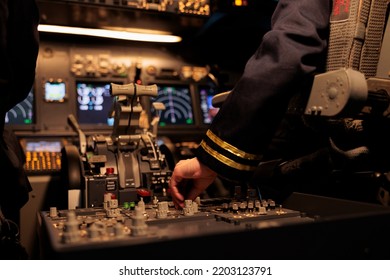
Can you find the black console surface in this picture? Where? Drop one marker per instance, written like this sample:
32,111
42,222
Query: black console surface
305,227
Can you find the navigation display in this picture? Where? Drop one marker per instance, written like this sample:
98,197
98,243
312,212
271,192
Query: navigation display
178,105
22,113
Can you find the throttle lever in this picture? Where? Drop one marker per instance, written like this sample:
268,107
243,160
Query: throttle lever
82,138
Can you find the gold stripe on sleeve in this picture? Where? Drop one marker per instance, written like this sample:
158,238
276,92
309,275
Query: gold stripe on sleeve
226,146
226,160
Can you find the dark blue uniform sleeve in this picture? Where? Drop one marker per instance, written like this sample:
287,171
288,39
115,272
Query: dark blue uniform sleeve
293,50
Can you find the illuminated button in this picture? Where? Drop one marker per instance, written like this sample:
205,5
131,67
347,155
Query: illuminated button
109,170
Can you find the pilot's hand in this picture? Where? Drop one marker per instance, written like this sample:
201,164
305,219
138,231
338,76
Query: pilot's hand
189,179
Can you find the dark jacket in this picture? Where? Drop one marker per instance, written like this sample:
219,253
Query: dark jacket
290,53
19,45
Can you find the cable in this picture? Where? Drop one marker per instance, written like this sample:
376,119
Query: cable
8,226
152,144
259,193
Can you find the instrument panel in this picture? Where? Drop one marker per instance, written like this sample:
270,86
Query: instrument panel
156,222
304,227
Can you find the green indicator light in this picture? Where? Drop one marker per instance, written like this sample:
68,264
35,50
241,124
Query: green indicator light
132,205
